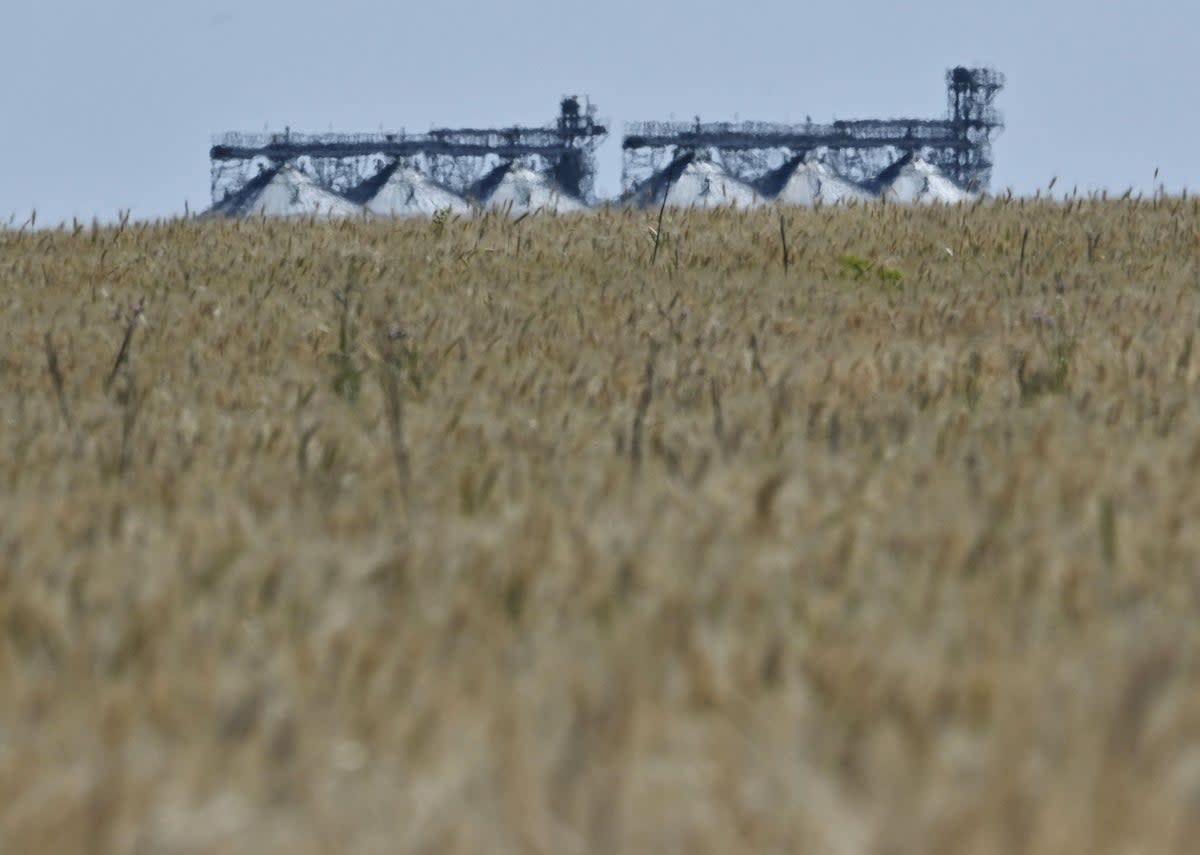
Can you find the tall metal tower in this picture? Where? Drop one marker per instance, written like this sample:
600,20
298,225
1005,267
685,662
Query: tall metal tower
456,158
970,94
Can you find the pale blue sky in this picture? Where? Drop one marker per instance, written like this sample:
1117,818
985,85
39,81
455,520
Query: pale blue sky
111,104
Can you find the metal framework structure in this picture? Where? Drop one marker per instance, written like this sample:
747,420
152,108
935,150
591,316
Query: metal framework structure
959,145
455,158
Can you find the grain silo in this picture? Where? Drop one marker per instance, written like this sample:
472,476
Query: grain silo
284,191
400,190
959,145
514,187
693,180
912,179
806,180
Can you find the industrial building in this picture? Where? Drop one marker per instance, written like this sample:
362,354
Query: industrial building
552,168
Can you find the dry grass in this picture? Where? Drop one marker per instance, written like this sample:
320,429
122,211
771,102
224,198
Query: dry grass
397,537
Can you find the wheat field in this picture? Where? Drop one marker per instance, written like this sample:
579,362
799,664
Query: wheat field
866,530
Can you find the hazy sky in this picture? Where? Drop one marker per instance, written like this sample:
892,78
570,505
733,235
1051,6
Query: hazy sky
112,104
